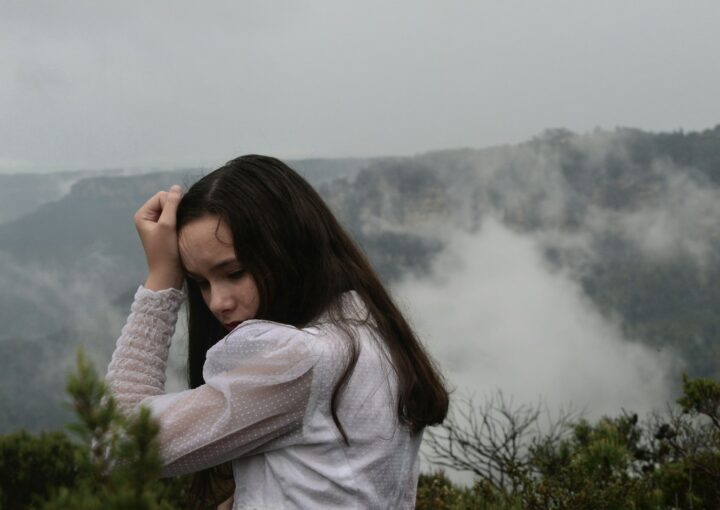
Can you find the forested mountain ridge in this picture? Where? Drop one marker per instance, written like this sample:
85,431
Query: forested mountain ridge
632,216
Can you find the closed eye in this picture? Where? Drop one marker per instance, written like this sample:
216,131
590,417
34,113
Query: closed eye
236,275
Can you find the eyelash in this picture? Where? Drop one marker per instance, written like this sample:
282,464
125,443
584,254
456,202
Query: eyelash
235,275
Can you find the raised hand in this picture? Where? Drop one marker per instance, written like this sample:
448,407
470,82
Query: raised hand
155,223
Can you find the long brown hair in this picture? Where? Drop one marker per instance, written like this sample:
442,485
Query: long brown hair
302,261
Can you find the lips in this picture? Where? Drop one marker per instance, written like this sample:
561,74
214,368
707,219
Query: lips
231,325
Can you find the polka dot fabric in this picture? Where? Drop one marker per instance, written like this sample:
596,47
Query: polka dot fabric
266,407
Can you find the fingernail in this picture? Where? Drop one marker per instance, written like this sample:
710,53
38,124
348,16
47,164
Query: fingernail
176,188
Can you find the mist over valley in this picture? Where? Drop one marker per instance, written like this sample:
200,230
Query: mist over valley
577,268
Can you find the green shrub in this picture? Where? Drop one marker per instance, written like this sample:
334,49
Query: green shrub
117,460
31,467
669,462
436,492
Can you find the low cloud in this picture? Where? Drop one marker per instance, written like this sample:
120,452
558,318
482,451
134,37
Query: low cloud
683,222
46,300
496,316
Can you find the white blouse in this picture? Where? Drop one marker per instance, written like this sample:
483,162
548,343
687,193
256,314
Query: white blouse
266,406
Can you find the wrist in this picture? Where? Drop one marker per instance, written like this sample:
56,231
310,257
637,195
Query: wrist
159,281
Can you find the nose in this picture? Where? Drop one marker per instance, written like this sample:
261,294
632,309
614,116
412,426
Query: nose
220,303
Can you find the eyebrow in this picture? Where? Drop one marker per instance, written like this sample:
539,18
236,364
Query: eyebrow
217,267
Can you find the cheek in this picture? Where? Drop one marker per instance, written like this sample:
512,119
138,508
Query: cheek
252,296
205,293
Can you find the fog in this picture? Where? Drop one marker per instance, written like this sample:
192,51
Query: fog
497,317
40,300
684,222
121,88
501,307
181,83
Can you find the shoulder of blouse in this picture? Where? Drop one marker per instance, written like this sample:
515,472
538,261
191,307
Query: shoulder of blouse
321,340
354,313
257,337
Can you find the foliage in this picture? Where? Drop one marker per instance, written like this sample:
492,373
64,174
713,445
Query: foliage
115,464
436,492
521,457
669,461
31,467
492,440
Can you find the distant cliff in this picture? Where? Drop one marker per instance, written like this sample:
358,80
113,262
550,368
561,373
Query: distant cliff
634,217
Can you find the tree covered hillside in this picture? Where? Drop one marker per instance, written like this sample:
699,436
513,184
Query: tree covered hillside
633,217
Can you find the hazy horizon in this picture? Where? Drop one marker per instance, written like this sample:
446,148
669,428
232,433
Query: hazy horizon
166,85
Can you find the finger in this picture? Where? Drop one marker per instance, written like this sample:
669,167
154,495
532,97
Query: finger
151,210
170,205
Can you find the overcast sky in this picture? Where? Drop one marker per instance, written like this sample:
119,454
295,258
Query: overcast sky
138,84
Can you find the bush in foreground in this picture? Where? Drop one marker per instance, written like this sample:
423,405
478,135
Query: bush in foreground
669,461
113,464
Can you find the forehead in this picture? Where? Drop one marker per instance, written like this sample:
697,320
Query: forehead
205,242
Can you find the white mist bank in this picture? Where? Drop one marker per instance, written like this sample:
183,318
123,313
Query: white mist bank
496,317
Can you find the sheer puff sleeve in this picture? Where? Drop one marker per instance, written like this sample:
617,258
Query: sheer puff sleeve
257,385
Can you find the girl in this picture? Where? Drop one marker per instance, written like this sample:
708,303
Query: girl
305,378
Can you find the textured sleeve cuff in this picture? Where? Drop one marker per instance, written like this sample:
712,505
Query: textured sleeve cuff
137,368
167,299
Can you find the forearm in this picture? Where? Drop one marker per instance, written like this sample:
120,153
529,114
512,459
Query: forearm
137,368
